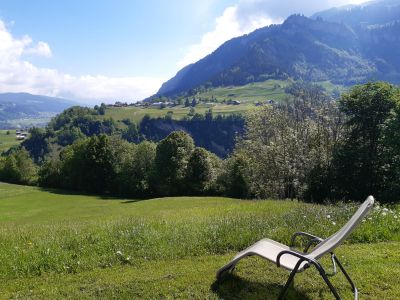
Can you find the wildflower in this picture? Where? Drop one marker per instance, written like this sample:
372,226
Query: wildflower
333,223
328,216
383,214
304,216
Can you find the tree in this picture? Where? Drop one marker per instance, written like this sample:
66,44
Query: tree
68,136
200,172
9,170
102,109
285,143
235,178
37,144
360,163
131,134
89,165
391,155
18,167
50,173
172,155
187,102
133,179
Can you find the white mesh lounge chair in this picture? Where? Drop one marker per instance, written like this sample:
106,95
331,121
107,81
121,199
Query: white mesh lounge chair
296,261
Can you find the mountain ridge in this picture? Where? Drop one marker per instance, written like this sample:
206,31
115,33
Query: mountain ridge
17,106
320,47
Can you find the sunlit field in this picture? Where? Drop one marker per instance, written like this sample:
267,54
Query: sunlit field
7,140
56,245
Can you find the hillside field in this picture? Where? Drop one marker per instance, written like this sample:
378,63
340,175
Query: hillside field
248,95
7,140
136,114
62,245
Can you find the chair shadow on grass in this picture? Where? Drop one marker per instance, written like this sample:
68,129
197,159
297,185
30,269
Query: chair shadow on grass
235,287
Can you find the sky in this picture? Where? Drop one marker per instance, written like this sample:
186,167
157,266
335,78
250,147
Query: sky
106,50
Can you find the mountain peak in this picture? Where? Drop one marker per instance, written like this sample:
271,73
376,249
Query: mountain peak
296,19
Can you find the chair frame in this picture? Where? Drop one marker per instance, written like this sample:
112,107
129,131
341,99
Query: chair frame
313,262
309,262
307,259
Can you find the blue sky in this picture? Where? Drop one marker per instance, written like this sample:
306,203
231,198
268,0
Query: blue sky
104,50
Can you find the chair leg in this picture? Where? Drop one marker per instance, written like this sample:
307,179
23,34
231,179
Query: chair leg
221,273
327,281
353,286
289,281
333,263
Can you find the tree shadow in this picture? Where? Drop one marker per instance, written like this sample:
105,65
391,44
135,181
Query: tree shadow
122,199
232,286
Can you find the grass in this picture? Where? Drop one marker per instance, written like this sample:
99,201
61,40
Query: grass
58,245
7,140
250,93
135,114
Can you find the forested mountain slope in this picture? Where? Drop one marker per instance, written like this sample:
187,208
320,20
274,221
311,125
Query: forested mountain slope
346,46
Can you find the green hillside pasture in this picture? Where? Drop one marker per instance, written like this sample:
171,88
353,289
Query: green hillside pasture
7,140
259,91
252,92
58,245
248,95
136,114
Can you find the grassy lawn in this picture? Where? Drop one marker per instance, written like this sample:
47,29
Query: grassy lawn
59,245
7,140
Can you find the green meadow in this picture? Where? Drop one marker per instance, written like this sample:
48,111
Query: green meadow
248,95
55,244
7,140
136,114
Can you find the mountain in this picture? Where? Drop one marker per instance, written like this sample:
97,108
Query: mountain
15,107
345,45
364,15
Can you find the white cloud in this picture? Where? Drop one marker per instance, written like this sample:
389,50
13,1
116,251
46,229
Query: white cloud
41,49
19,75
227,26
249,15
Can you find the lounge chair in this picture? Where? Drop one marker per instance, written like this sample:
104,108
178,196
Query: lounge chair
297,261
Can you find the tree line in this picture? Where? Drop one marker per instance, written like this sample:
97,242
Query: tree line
214,133
317,149
310,147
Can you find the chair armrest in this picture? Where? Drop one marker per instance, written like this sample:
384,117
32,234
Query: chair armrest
312,239
297,254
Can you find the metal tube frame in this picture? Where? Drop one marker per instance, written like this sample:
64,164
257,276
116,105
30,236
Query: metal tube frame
311,261
312,240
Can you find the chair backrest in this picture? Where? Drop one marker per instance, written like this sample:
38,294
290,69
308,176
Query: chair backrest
329,244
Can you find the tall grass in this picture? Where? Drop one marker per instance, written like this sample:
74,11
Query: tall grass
77,246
